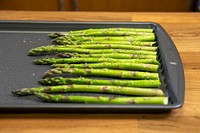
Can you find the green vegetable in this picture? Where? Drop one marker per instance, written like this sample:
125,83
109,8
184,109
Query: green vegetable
102,99
107,31
114,65
107,55
56,49
92,88
103,73
89,81
47,61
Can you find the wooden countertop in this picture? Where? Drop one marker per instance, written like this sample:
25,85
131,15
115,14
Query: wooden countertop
184,29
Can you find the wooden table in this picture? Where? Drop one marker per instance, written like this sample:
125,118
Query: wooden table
184,29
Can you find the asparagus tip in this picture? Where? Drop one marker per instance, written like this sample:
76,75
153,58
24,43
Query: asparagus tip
42,96
55,35
18,93
43,81
15,92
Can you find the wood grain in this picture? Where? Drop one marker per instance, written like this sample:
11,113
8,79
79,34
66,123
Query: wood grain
161,18
184,29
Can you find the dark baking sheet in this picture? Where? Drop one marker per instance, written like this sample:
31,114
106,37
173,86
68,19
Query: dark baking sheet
17,70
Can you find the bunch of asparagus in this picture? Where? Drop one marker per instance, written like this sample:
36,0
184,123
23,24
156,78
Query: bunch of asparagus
124,58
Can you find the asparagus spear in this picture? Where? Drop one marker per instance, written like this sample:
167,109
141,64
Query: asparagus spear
48,61
55,49
103,33
110,46
137,43
107,55
102,99
70,42
92,88
115,65
89,81
114,29
108,38
103,73
86,31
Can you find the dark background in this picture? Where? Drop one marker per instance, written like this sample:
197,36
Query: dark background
102,5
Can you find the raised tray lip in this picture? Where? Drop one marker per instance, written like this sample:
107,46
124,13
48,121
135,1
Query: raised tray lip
181,76
100,106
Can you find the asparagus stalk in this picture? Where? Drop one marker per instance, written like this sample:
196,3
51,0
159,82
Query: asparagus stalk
114,29
104,33
102,73
87,31
137,43
107,55
108,38
115,65
56,49
48,61
110,46
102,99
89,81
92,88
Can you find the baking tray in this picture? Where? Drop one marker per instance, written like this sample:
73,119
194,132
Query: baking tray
17,70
